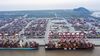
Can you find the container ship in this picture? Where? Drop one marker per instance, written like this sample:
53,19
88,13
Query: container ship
68,41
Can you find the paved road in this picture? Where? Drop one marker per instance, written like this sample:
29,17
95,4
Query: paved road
47,31
69,25
22,31
95,41
42,52
8,24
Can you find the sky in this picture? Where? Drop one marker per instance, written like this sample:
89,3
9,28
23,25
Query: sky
8,5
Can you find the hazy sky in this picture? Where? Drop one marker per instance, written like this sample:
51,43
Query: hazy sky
48,4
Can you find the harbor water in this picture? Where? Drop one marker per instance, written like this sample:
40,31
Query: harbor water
43,52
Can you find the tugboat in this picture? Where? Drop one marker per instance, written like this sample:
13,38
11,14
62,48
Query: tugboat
69,41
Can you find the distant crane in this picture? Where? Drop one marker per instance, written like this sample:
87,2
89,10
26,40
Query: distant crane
56,15
25,15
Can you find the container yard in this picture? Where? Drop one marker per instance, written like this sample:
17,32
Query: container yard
44,30
54,35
